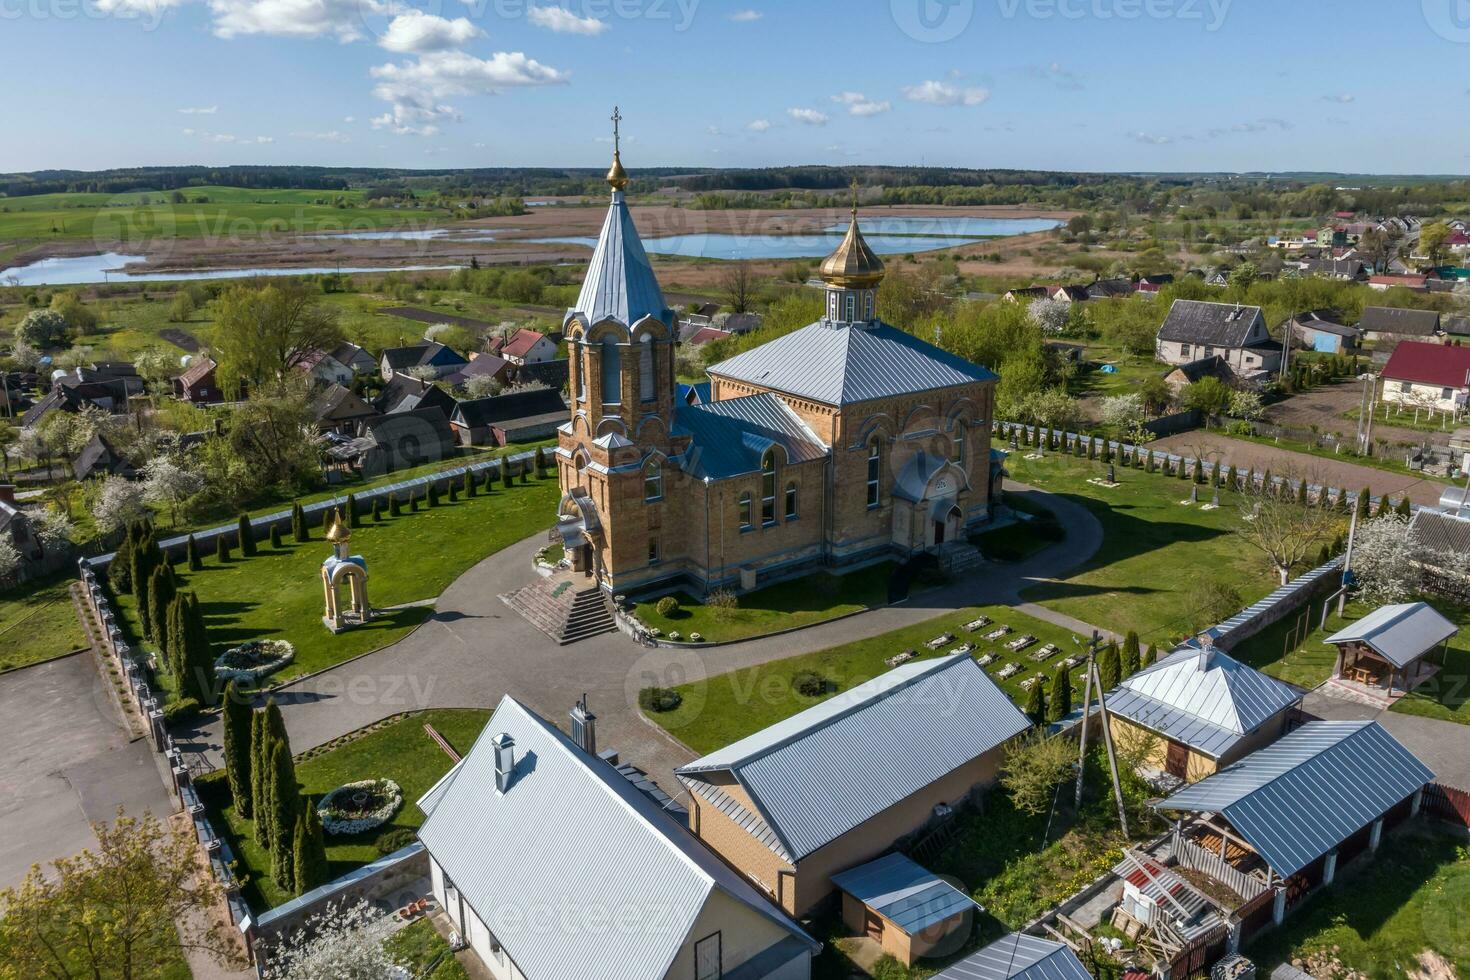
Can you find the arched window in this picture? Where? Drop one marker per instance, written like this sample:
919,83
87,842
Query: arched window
582,359
653,481
958,454
849,304
745,524
581,463
870,304
791,501
612,371
875,470
647,378
768,487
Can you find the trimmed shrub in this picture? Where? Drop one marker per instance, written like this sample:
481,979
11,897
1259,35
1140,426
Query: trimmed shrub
245,537
276,543
395,508
377,509
810,684
433,495
469,483
667,606
180,710
191,549
395,840
659,699
222,548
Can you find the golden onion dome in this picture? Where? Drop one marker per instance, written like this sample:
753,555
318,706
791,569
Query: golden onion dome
617,177
339,531
853,265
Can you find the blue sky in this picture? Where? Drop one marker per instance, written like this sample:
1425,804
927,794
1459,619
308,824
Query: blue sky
1348,85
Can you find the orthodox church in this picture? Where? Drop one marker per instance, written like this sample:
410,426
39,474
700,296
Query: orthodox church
845,442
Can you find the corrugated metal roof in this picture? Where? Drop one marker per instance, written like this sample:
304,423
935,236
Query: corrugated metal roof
1181,726
824,771
730,436
1300,797
911,897
570,833
1437,531
1019,957
1211,687
839,363
1400,633
620,283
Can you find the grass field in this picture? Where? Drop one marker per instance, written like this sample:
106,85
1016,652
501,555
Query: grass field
721,709
786,605
278,594
137,216
1444,696
418,945
1155,554
37,623
1382,915
401,751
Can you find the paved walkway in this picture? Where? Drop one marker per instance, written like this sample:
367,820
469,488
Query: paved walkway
1327,470
1440,745
475,649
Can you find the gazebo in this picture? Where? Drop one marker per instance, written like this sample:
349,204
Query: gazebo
1389,648
342,568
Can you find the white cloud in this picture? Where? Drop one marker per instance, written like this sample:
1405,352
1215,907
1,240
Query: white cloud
808,117
342,19
209,137
349,120
758,125
943,93
1342,98
200,110
150,10
333,136
746,16
416,89
859,104
1151,139
415,32
563,21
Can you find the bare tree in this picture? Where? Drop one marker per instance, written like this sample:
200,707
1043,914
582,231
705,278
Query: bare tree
1282,529
736,286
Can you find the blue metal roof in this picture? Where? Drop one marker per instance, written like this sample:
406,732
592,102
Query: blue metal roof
904,893
732,435
824,771
620,283
1019,957
1401,633
571,832
1300,797
840,363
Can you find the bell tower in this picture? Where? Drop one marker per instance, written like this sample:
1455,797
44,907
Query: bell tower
852,274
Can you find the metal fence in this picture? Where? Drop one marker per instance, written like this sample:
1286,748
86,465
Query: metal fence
1191,855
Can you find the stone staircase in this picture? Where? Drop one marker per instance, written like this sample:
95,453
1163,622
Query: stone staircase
959,557
562,611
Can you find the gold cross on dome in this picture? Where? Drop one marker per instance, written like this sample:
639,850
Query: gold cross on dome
854,185
617,117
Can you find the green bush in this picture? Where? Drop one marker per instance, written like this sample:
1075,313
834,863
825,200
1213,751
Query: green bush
667,606
659,699
395,840
809,683
180,710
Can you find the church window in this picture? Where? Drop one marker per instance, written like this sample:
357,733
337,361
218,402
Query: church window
959,442
653,555
653,481
647,379
869,295
875,469
745,524
612,371
791,501
768,488
849,303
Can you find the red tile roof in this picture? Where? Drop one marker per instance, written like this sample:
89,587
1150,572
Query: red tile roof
520,343
1431,364
1398,280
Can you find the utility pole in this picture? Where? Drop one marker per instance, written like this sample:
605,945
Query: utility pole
1347,560
1086,704
1094,679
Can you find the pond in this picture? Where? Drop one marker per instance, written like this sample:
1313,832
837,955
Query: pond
727,246
81,270
957,226
424,235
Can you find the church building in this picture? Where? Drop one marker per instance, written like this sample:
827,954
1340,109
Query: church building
845,442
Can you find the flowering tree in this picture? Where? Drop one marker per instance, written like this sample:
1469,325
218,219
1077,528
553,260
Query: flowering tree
1123,411
1246,405
169,484
341,943
9,560
54,529
119,502
1384,561
483,386
1285,531
1049,314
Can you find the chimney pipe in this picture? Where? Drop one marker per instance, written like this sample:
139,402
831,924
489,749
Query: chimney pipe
7,493
1206,649
584,727
505,760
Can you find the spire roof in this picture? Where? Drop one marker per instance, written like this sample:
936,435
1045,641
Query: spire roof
853,265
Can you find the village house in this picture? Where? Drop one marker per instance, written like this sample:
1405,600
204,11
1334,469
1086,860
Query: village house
1207,367
1018,956
98,459
1323,331
551,864
1342,270
518,416
107,396
907,910
1412,281
1199,709
197,385
1110,288
842,443
402,440
1195,330
524,347
339,409
434,359
1427,376
1383,324
482,366
838,784
407,394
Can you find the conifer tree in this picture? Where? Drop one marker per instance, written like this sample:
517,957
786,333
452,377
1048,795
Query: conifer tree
298,524
540,463
1109,667
453,492
1059,698
310,858
353,518
413,501
1363,502
395,508
221,548
1301,492
284,796
120,569
506,476
276,543
160,594
1383,507
1151,656
191,550
173,652
1036,703
1131,656
245,535
259,752
235,722
469,483
1404,509
433,494
377,510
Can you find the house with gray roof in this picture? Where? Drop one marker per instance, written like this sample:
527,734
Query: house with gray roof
551,864
1195,329
1200,709
837,785
905,908
1286,815
1018,957
1394,647
1384,324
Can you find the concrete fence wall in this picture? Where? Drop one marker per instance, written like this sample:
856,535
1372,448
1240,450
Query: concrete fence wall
373,883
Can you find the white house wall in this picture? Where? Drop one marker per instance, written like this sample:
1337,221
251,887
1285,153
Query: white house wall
1423,396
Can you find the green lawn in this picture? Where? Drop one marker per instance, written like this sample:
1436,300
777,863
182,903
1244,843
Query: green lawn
278,594
1399,417
418,945
401,751
1132,371
721,709
38,622
1282,652
1155,554
785,605
1413,897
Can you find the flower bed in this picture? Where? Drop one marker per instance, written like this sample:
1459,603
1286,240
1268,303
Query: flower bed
355,808
249,662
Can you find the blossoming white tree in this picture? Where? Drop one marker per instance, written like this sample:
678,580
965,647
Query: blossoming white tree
1385,560
1049,314
118,503
169,484
341,943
